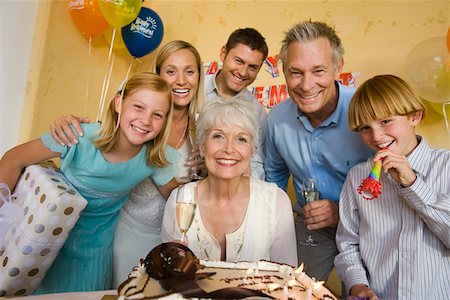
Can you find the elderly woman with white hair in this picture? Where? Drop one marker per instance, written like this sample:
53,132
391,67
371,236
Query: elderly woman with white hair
237,218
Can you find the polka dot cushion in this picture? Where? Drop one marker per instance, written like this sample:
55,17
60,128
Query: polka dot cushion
34,224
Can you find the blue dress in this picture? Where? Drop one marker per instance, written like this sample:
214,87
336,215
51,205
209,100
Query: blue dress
85,261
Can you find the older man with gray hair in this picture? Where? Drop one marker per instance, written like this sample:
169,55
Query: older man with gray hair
308,137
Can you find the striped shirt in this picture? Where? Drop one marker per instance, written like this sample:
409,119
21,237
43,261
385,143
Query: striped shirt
399,243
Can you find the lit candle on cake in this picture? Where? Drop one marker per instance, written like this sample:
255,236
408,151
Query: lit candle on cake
257,269
308,293
272,286
293,283
246,273
285,292
316,286
299,272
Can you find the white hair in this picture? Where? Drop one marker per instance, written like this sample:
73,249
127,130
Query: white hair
230,112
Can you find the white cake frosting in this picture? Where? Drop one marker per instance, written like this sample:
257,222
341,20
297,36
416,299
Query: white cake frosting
275,280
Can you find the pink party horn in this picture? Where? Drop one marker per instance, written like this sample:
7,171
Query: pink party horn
370,188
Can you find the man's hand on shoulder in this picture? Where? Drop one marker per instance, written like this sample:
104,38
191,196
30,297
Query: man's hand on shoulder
63,133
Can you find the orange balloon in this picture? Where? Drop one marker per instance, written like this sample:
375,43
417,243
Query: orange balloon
448,39
87,16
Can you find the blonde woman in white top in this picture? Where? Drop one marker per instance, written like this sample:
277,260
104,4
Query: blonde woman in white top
139,227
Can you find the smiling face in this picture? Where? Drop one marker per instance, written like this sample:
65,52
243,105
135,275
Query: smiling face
143,115
227,151
240,66
397,133
310,77
180,71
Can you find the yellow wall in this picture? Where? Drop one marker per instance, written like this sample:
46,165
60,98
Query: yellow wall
377,35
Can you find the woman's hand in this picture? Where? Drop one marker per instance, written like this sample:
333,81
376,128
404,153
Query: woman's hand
63,133
166,189
197,163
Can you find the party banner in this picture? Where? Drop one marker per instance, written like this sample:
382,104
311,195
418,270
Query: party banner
212,67
272,62
269,96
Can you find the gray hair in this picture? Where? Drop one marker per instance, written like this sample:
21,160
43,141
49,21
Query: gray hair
308,31
230,112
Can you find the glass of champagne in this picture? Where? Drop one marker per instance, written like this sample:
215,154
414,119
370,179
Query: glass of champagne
193,136
195,176
185,208
310,193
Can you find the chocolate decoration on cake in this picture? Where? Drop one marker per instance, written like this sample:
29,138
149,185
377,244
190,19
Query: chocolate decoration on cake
171,264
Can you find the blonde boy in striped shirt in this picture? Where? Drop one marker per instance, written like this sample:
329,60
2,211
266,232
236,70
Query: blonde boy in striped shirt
396,246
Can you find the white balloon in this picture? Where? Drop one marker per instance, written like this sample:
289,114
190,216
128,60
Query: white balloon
427,69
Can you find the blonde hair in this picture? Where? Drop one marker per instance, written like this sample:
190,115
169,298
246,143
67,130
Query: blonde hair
308,31
197,102
381,97
230,112
109,133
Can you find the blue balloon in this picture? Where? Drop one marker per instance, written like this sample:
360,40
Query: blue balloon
144,34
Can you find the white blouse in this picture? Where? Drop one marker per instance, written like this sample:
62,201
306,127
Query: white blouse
267,231
145,206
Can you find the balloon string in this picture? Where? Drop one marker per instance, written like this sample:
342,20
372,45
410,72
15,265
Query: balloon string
445,115
129,69
107,77
123,85
107,83
86,94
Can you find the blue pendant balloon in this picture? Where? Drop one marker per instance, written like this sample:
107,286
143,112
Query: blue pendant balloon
144,34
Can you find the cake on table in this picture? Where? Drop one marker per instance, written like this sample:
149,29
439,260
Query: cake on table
171,271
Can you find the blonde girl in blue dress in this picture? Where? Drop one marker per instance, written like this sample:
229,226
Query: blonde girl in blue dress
107,162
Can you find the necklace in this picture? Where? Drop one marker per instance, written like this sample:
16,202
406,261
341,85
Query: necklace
184,133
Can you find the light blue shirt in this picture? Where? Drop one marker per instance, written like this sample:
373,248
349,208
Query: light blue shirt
399,243
257,162
325,153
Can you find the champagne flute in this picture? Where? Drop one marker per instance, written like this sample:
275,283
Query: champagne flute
193,136
195,176
310,193
185,208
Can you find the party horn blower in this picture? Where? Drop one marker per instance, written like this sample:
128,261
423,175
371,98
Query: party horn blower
370,188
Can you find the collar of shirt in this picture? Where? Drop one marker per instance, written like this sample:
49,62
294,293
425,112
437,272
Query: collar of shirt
420,157
211,87
210,83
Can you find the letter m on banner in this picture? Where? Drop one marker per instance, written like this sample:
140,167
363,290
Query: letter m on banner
277,93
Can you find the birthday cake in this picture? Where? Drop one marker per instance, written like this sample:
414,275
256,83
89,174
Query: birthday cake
171,271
